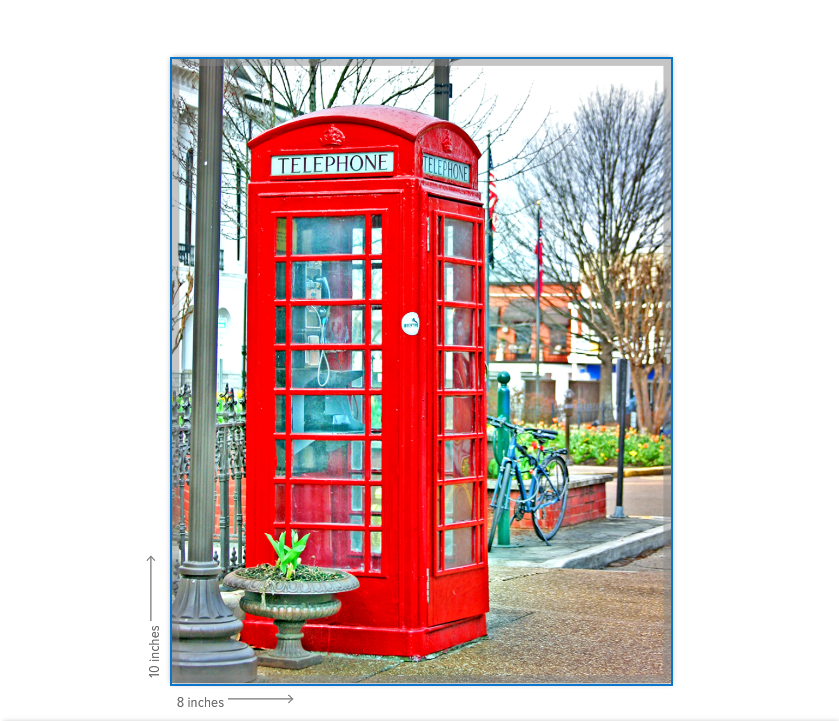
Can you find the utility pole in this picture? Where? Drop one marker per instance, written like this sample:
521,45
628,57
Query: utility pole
202,650
538,299
442,88
487,245
622,368
313,70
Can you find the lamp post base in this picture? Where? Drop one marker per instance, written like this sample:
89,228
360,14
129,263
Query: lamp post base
202,650
208,661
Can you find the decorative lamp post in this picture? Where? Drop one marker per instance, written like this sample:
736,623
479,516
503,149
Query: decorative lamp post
202,650
502,441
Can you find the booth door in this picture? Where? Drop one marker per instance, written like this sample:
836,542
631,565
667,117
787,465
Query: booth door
458,580
323,298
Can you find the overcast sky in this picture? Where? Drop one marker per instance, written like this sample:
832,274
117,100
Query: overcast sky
556,87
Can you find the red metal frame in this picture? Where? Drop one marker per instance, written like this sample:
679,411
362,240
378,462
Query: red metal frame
411,602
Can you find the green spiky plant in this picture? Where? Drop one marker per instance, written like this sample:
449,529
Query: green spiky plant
288,558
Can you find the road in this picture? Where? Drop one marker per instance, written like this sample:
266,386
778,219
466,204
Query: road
642,496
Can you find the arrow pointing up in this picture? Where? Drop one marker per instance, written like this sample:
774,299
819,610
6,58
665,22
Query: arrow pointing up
150,559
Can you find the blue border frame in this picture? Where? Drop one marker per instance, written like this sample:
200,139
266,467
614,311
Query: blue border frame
672,451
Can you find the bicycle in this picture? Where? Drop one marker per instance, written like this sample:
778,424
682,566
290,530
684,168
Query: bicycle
547,495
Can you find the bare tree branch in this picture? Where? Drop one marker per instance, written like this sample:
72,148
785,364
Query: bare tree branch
605,206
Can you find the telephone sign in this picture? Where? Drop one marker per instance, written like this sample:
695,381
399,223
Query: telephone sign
445,168
328,163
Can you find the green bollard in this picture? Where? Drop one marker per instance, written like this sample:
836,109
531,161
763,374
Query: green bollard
500,444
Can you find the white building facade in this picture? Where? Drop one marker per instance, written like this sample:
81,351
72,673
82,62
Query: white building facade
233,256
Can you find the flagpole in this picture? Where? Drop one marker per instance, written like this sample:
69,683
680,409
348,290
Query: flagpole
487,245
538,298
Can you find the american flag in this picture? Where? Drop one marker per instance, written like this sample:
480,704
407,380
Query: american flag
493,199
538,252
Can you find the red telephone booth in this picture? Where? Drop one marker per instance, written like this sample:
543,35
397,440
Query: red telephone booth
366,391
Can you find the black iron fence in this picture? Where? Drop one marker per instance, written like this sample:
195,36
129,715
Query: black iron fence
229,528
548,410
601,413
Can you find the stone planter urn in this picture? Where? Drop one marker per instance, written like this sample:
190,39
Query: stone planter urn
291,604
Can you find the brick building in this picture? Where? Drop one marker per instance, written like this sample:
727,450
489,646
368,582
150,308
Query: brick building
566,360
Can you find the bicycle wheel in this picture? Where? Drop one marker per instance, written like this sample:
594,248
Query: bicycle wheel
503,498
551,498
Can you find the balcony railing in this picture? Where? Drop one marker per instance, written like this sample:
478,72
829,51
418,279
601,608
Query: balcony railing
186,255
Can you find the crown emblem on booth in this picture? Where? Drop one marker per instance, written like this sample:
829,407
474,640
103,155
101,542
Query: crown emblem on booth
447,142
332,136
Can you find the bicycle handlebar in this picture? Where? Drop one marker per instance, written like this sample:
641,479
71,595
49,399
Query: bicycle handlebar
500,423
538,432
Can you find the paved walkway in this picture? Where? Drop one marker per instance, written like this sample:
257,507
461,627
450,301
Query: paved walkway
587,545
544,626
548,622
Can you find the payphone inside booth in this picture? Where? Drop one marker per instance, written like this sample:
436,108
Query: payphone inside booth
366,390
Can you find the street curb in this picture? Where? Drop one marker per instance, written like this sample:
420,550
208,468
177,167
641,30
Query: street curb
605,553
651,471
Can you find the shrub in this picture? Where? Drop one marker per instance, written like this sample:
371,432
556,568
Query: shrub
599,445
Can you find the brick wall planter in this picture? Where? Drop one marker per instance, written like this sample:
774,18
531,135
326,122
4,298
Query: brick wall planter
586,499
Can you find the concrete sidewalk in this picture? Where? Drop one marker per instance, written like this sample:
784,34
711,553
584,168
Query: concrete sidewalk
551,620
588,545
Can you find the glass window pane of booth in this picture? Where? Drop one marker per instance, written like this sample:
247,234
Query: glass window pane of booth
328,235
376,280
458,503
376,369
459,414
279,502
376,456
376,551
281,235
459,370
279,414
279,381
375,505
327,324
457,326
376,414
457,239
458,548
376,235
321,280
457,283
326,459
280,325
331,549
280,284
318,368
459,459
324,503
279,449
327,414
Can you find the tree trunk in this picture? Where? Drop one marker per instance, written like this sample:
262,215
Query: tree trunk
661,396
605,356
642,396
